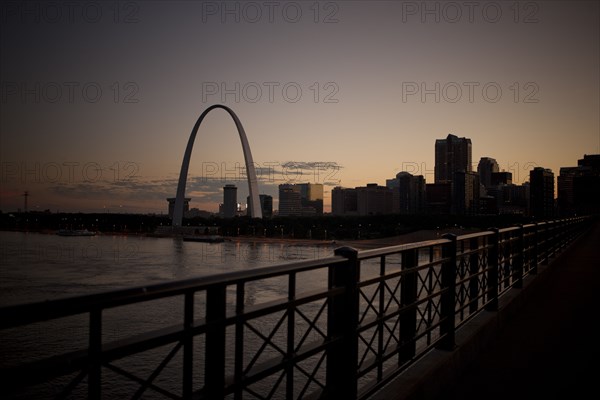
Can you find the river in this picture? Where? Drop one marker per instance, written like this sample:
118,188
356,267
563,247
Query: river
38,267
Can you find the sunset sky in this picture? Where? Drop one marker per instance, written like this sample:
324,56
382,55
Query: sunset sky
98,99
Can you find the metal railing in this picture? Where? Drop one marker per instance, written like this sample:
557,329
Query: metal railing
339,327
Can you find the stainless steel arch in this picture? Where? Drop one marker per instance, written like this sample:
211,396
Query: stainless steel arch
255,209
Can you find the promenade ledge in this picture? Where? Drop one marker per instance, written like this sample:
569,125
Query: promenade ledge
402,322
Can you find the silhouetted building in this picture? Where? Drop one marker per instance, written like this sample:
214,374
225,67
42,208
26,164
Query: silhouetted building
452,155
591,161
579,187
289,200
230,204
374,200
486,167
488,205
501,178
439,197
186,205
408,193
304,199
344,201
311,198
565,189
465,193
266,204
513,199
541,193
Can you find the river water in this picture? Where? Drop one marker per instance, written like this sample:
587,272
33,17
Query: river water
37,267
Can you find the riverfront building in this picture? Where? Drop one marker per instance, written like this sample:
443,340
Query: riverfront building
541,193
230,204
452,155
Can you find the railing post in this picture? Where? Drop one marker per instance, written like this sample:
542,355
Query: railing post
474,279
545,244
188,342
533,263
342,325
492,278
519,258
95,353
408,318
507,278
214,367
448,297
551,240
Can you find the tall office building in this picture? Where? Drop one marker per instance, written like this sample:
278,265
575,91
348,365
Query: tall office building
408,193
303,199
541,192
289,200
230,204
311,198
452,155
486,167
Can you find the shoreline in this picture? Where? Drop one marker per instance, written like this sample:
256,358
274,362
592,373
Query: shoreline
359,244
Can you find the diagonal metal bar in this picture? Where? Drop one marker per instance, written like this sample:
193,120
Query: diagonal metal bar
266,341
311,377
135,378
312,325
157,371
276,385
369,347
369,304
72,385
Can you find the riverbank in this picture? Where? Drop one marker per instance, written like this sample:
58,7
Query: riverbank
360,244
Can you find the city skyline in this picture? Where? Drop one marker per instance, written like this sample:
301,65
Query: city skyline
96,111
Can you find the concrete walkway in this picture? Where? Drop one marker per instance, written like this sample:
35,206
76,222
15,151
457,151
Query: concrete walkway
550,348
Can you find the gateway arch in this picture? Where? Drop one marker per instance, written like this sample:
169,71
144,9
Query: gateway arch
254,206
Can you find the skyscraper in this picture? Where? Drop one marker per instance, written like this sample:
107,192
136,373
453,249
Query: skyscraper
541,192
289,200
301,199
229,201
452,155
409,193
486,167
311,198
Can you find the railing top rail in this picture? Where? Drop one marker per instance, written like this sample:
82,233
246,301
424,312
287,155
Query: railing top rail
21,314
474,235
384,251
509,229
